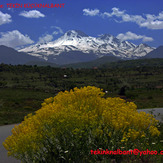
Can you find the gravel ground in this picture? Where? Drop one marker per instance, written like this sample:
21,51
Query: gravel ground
158,112
5,131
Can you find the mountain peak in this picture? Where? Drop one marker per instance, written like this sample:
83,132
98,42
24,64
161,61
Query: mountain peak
76,33
105,36
143,45
75,42
110,39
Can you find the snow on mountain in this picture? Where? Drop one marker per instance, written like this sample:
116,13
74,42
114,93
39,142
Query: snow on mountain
77,41
142,50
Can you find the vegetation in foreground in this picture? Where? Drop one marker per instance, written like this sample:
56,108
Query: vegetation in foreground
23,88
71,124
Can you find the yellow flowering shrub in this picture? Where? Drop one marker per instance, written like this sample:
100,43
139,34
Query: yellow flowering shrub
72,123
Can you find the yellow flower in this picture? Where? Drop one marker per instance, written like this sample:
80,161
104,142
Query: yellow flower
80,114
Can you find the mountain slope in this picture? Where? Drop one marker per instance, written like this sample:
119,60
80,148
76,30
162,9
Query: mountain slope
75,46
11,56
95,63
157,53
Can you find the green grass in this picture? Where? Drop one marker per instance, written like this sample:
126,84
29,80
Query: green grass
23,88
145,98
17,103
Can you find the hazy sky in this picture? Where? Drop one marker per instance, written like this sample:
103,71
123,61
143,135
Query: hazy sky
138,21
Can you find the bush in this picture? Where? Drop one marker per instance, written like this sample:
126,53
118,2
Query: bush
72,123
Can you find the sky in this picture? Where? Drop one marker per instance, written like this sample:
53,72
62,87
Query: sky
137,21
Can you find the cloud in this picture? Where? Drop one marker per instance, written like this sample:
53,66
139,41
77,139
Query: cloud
88,12
116,12
132,36
49,37
149,21
147,39
14,39
160,16
32,14
156,24
46,38
124,17
4,18
57,31
11,9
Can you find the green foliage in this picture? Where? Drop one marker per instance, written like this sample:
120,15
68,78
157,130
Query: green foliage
20,83
17,103
114,62
72,123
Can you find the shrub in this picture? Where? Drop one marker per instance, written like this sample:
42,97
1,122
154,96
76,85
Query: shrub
72,123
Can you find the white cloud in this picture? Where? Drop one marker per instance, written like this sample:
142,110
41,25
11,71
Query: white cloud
150,17
32,14
88,12
106,14
147,39
125,17
57,31
128,36
156,24
4,18
116,12
10,9
46,38
49,37
148,21
132,36
14,39
160,16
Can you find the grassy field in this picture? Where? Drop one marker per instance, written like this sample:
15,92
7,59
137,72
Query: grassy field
23,88
17,103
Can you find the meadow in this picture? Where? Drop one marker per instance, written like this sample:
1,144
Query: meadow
23,88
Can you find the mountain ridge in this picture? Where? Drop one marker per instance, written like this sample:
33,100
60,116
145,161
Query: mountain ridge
75,46
156,53
11,56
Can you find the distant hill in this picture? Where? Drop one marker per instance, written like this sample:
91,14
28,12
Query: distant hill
94,63
11,56
108,62
153,62
157,53
114,62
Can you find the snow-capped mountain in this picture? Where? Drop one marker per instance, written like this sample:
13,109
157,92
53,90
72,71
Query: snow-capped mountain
76,46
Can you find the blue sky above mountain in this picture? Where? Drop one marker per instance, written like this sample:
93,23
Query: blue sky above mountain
136,21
